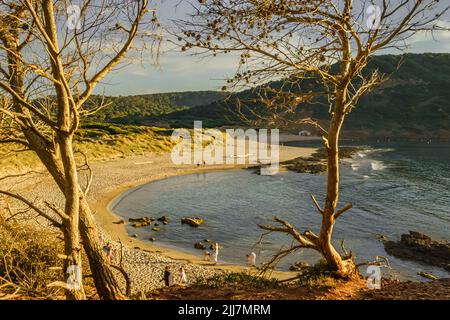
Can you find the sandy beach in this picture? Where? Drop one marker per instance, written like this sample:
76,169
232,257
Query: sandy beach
142,259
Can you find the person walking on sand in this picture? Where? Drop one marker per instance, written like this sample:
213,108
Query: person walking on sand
216,252
167,276
182,277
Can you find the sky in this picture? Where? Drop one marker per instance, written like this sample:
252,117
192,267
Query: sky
178,71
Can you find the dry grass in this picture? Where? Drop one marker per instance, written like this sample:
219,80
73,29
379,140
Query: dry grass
26,256
29,263
100,143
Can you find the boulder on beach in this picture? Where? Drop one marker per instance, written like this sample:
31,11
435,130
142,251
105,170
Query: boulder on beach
194,222
200,246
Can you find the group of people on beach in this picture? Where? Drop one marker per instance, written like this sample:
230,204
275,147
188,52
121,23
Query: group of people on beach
207,256
181,278
169,278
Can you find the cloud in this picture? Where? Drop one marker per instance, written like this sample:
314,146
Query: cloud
441,35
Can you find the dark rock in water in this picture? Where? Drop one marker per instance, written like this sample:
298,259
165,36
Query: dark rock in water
194,222
299,265
141,220
165,222
420,247
139,225
156,224
119,222
135,235
306,166
200,246
164,219
207,240
152,239
381,237
156,229
317,162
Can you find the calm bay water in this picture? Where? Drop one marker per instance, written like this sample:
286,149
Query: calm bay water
394,187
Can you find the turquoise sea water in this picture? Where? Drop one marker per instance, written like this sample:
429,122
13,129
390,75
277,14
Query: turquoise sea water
394,187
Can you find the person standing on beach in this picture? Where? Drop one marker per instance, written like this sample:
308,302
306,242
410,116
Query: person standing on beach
252,259
108,252
182,277
216,252
167,276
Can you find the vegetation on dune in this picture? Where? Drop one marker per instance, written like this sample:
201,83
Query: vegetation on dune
98,142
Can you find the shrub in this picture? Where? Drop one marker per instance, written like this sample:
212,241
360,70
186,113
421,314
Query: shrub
237,280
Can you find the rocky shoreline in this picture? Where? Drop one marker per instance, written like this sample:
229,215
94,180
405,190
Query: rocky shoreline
317,162
419,247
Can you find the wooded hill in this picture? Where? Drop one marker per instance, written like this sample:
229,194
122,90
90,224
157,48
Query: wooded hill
414,103
138,109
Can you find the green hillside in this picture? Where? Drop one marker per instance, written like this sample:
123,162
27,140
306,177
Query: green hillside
415,102
139,108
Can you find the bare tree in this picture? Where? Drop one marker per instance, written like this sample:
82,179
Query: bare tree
53,55
318,51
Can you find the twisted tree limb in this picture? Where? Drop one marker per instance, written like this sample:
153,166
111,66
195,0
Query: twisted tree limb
307,240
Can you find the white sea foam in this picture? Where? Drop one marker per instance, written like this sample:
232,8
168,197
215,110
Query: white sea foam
377,165
360,154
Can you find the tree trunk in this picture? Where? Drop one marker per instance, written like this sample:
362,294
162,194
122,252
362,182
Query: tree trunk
72,265
334,260
104,279
105,282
